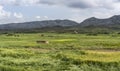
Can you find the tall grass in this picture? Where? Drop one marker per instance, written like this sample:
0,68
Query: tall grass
65,52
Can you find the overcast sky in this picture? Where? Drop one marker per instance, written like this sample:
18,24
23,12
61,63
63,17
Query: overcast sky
77,10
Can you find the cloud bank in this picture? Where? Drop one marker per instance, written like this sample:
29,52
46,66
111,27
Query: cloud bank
81,4
79,9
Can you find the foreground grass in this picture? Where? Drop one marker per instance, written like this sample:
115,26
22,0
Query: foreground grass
65,52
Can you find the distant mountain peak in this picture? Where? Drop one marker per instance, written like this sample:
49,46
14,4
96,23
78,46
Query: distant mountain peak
96,22
39,24
116,16
93,18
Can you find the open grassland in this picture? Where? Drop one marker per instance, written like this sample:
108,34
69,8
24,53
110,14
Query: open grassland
64,52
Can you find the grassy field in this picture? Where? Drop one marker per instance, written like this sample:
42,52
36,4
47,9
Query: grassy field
64,52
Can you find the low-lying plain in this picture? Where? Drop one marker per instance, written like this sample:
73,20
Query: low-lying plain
64,52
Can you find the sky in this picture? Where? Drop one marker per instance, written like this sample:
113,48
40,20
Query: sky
14,11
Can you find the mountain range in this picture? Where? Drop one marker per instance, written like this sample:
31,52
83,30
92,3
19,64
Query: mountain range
113,22
38,24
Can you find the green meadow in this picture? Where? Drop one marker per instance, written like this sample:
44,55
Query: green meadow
64,52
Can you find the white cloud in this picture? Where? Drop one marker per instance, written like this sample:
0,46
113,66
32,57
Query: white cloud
3,13
45,17
38,17
19,2
18,15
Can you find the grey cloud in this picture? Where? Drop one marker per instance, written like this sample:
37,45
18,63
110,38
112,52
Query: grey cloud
80,4
70,3
46,2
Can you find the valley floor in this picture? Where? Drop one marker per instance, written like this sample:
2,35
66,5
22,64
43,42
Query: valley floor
63,52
